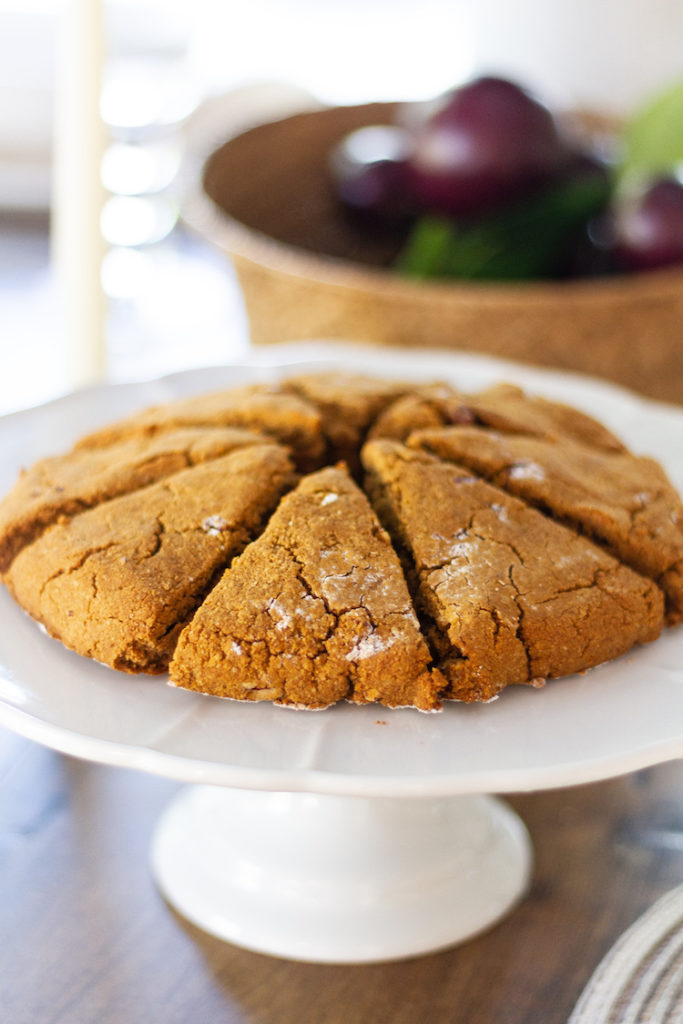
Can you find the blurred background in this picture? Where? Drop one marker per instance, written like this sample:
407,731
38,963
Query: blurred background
176,74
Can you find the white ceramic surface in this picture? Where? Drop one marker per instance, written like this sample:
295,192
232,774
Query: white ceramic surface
333,879
614,719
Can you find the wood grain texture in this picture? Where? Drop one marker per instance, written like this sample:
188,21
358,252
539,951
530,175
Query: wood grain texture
85,937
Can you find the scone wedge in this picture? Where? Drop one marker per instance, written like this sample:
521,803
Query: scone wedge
502,407
118,582
314,611
61,486
622,501
348,403
505,594
266,408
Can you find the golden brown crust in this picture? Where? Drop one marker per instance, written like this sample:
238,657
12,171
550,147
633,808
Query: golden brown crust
508,408
63,485
503,407
262,407
625,502
116,583
425,406
314,611
119,546
348,403
508,595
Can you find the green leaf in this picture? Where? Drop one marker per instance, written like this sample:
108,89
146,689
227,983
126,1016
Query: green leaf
653,140
426,251
523,241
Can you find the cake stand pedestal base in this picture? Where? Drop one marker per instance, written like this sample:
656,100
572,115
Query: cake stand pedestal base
335,879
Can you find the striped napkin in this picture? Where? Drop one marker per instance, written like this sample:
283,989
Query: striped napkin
640,981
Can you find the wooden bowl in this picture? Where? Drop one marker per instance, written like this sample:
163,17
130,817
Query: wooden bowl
308,272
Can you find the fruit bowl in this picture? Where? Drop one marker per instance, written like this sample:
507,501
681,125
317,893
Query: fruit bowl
308,271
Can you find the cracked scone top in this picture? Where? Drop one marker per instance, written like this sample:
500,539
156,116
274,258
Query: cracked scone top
315,611
506,595
508,540
622,501
63,485
118,582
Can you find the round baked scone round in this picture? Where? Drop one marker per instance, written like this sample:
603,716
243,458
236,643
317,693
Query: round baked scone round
339,537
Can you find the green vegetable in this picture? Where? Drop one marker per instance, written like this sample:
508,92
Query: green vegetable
653,140
530,238
526,240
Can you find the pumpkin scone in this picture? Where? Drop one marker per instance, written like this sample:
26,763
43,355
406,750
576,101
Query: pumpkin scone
118,582
265,408
314,611
508,408
424,407
503,407
623,501
63,485
348,403
506,595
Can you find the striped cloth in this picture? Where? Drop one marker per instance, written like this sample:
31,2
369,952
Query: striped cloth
640,981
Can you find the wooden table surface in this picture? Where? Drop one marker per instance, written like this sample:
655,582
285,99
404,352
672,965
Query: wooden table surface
85,938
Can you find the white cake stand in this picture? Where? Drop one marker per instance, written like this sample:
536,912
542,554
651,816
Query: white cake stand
355,834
